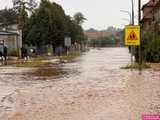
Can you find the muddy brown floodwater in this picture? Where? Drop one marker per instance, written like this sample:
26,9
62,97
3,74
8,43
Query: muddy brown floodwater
95,88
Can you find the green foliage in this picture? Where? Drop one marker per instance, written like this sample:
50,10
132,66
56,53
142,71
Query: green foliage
30,63
104,41
13,52
151,47
74,30
44,27
8,17
48,25
23,4
70,57
79,18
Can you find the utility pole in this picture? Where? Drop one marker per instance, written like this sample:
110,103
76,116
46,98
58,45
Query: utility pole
139,23
132,12
132,47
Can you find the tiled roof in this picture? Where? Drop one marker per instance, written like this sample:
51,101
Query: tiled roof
151,3
93,35
147,12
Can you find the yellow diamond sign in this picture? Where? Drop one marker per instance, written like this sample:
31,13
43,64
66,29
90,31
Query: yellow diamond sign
132,35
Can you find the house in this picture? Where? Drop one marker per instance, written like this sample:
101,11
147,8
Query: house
93,34
156,17
148,15
11,38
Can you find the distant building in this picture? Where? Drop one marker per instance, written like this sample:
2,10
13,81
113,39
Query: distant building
93,34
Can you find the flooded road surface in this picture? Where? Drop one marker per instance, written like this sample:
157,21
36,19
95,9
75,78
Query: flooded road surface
95,88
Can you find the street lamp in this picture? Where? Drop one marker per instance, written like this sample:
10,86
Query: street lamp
131,14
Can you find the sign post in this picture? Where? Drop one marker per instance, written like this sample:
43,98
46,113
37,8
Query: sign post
132,37
67,43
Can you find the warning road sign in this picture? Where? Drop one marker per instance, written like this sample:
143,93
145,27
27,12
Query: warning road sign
132,35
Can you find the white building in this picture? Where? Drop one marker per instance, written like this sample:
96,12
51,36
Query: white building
12,38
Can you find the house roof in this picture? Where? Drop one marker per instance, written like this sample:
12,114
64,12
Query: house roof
93,35
92,30
7,33
157,5
151,3
146,19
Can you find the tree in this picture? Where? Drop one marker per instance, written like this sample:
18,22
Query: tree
47,25
29,5
22,8
8,17
151,47
79,18
104,41
74,28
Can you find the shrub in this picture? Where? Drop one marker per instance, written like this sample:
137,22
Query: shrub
13,52
151,47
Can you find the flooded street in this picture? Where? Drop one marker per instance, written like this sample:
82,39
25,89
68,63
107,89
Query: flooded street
94,88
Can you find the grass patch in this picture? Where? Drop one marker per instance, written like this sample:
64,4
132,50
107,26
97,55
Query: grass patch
30,63
155,65
136,66
71,56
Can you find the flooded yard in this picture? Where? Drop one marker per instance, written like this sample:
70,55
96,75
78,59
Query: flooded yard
93,87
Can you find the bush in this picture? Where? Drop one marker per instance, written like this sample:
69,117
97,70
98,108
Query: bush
151,47
13,52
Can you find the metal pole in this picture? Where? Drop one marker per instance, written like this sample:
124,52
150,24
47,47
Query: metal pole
139,22
132,12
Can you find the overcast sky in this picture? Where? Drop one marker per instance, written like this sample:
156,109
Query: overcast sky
99,13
